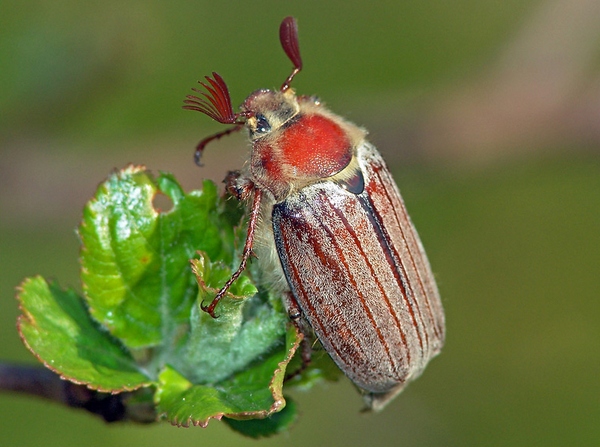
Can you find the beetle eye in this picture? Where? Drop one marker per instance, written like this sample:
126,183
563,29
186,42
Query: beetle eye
262,124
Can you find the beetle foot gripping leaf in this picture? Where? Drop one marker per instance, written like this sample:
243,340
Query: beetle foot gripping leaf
139,323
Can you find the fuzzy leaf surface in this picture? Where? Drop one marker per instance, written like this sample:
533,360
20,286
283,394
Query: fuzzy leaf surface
254,393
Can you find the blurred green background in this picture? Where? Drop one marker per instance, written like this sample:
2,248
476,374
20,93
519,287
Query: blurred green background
489,115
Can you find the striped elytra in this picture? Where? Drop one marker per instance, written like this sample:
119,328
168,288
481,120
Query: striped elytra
356,268
327,220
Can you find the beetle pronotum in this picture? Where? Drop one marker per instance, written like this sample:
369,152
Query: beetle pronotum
327,219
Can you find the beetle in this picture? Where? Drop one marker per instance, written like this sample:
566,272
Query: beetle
327,220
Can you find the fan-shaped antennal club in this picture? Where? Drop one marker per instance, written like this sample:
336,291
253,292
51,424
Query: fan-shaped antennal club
216,102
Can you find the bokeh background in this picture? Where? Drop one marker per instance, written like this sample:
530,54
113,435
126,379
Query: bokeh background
489,115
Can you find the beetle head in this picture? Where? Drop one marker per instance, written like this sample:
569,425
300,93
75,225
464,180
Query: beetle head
264,110
268,111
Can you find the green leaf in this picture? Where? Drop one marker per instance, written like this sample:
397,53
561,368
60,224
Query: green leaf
135,260
244,330
255,392
56,326
269,426
321,367
140,322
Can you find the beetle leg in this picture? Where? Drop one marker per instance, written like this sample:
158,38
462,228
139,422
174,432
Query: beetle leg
377,401
254,214
238,186
295,314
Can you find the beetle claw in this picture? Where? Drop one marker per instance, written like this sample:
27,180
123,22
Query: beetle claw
210,309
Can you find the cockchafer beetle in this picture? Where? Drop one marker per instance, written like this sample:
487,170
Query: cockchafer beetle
327,219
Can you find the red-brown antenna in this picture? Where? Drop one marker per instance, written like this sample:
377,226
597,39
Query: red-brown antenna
217,105
215,102
288,36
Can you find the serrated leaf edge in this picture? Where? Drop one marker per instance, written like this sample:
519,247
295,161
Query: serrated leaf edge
275,384
28,317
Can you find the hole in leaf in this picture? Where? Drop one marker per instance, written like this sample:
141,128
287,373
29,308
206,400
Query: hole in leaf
162,203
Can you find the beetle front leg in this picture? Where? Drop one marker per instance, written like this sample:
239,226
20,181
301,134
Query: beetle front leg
254,214
238,186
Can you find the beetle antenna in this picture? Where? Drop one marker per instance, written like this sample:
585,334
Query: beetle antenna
288,36
215,103
200,147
